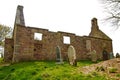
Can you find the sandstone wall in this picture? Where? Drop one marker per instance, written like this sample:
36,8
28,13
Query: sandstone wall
8,50
23,46
45,49
99,45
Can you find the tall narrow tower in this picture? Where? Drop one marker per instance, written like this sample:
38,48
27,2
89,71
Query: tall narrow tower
19,19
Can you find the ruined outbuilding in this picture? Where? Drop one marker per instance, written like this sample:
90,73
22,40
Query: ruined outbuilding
25,46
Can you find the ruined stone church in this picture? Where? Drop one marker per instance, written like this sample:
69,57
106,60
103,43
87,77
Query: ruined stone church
25,45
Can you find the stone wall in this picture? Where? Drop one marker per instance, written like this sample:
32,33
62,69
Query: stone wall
23,46
8,50
45,49
99,45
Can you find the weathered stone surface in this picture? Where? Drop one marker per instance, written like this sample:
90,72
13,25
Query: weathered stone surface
94,56
96,32
111,56
8,50
20,16
72,56
24,43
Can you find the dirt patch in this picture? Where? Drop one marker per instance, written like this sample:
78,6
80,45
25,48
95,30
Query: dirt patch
111,68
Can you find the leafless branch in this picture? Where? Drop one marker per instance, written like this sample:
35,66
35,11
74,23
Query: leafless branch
112,7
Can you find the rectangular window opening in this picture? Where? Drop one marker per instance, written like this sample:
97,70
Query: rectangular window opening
66,39
37,36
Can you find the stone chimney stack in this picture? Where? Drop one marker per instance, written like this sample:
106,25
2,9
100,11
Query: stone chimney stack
94,24
94,28
19,19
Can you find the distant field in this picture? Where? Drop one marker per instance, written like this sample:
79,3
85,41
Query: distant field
46,70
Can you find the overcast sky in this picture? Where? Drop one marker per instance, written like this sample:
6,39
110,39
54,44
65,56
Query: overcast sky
72,16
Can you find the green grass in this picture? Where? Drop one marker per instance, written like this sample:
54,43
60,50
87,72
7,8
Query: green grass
113,70
46,70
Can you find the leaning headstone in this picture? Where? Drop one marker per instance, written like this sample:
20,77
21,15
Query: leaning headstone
93,56
111,55
58,55
72,56
117,55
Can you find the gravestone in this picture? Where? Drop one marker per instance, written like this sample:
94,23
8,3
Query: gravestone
94,56
117,55
105,55
72,56
58,55
111,55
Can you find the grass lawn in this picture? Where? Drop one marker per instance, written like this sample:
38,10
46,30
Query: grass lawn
46,70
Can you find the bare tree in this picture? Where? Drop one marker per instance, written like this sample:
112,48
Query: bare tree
112,7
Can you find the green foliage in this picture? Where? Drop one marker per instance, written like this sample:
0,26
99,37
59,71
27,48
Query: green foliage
5,31
1,60
118,75
45,70
112,70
